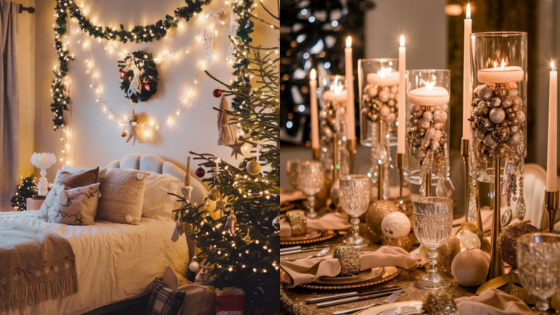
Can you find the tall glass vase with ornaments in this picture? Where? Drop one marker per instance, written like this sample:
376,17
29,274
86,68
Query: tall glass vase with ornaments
378,81
354,199
334,152
499,114
427,131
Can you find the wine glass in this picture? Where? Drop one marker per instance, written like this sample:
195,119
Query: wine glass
432,221
292,166
310,180
538,260
354,198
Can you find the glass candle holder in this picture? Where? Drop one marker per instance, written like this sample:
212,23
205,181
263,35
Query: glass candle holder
333,125
378,81
499,110
428,130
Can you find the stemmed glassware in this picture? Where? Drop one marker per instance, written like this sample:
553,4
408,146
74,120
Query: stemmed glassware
354,199
538,259
310,180
433,221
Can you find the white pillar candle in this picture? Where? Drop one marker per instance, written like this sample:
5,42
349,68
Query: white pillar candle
500,74
467,92
429,95
402,99
340,96
384,77
551,162
350,124
314,110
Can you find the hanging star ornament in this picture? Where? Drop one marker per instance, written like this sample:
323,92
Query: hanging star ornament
236,148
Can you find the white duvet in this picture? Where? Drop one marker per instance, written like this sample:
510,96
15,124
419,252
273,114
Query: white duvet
114,261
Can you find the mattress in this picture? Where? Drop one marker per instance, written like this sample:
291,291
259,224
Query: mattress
114,261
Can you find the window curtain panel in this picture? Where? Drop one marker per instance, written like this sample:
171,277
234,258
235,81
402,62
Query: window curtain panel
9,102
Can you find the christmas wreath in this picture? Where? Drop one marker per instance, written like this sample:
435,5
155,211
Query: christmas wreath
139,76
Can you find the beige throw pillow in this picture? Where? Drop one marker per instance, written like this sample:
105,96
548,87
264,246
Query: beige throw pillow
122,193
75,206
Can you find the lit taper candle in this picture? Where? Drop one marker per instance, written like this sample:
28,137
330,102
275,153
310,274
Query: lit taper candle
401,134
467,94
350,124
314,110
551,162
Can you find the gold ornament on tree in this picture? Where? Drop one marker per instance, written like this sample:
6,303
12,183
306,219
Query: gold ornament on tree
253,166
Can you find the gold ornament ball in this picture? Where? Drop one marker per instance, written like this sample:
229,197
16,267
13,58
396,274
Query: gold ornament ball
507,241
254,167
470,267
447,253
405,242
213,194
124,133
374,216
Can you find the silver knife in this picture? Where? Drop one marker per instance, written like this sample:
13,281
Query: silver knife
348,294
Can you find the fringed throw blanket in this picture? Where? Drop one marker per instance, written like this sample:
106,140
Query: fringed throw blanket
35,266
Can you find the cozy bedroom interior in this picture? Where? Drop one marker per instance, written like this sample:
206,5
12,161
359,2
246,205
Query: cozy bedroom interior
139,157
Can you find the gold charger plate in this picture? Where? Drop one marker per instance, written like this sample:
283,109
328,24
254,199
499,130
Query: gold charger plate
389,274
366,275
397,307
310,238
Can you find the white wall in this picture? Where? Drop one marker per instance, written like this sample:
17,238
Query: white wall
96,139
423,23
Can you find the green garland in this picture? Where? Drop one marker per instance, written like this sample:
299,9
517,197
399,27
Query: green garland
138,34
148,77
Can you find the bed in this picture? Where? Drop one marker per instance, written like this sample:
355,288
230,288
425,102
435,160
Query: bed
115,262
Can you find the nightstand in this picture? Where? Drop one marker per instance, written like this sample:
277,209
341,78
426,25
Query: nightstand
35,203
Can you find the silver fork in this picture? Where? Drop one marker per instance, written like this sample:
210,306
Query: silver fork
392,298
322,253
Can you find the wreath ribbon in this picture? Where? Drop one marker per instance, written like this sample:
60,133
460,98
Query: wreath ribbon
135,84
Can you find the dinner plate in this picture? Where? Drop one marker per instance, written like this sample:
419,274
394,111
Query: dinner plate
397,308
390,273
362,276
313,237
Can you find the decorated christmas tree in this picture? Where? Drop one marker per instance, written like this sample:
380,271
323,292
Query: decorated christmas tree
27,189
241,248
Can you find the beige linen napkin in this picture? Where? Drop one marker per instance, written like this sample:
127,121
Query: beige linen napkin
492,302
308,270
330,221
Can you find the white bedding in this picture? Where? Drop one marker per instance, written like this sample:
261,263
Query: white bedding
114,261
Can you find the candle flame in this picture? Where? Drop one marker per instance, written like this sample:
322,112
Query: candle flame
552,66
384,72
429,85
349,42
503,63
402,41
313,74
468,11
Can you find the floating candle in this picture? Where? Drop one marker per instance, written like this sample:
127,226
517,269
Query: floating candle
429,95
384,77
501,74
339,96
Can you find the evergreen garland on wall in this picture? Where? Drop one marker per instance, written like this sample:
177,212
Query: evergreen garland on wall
138,34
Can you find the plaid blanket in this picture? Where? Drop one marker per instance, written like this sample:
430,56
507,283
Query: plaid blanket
35,266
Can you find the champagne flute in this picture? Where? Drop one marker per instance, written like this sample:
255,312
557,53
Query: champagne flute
432,221
292,166
538,259
310,180
354,198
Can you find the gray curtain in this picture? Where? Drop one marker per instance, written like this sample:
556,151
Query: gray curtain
9,102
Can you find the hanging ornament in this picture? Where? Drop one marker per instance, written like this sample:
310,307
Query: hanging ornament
247,239
193,266
139,76
236,148
254,167
124,133
217,93
133,128
200,172
214,194
226,131
276,224
230,223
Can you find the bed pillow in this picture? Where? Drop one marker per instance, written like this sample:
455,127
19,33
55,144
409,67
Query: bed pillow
122,193
80,179
75,206
157,203
77,170
163,300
